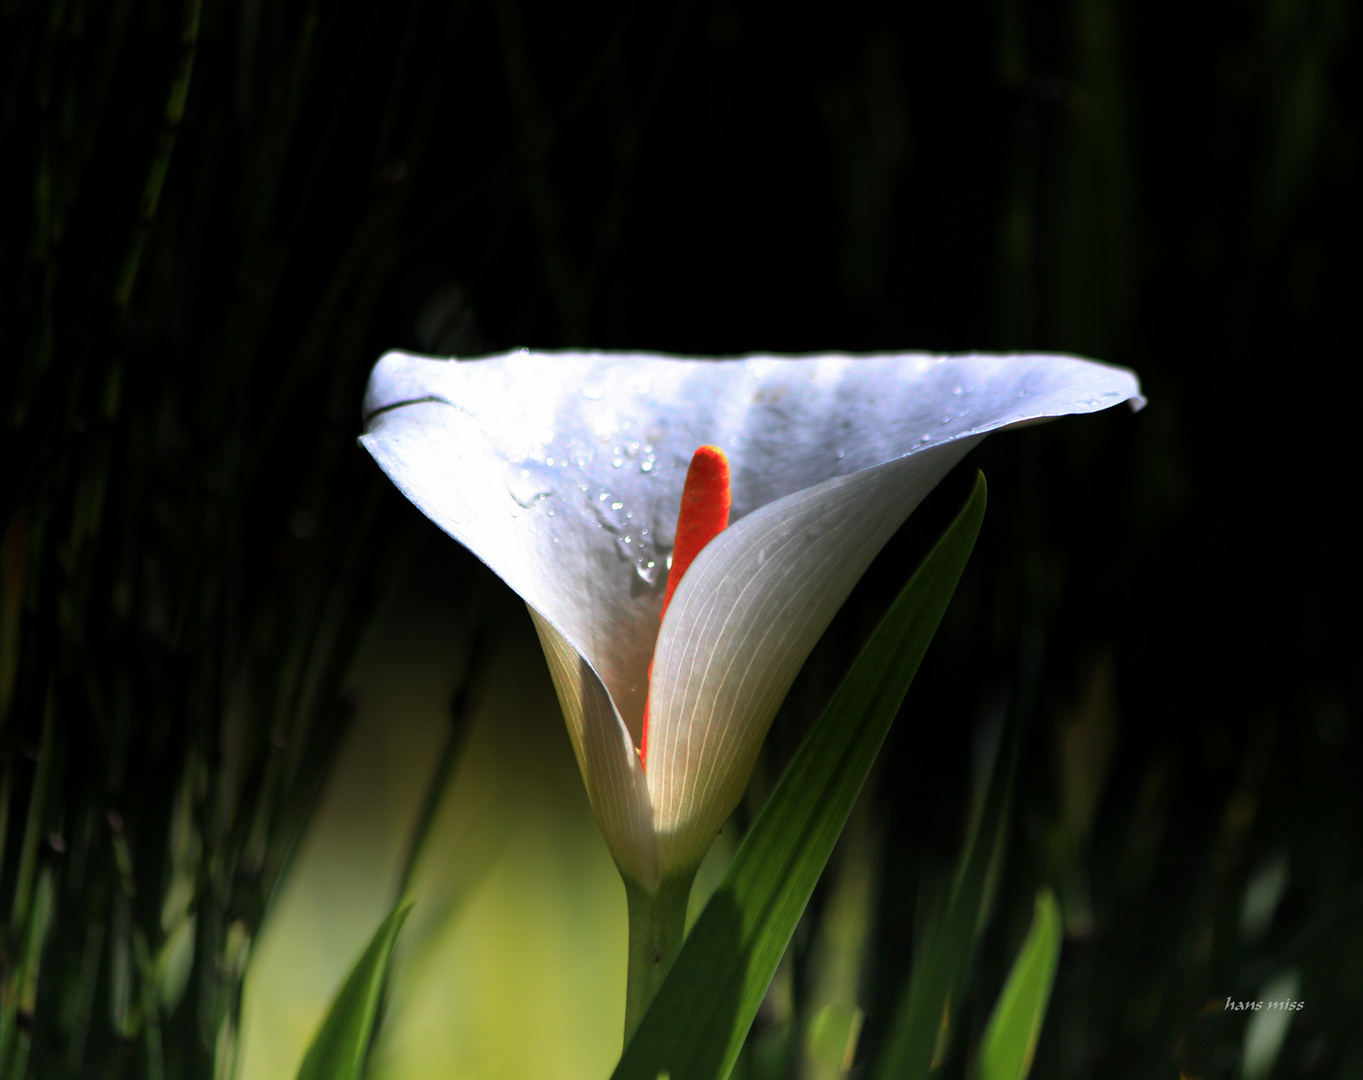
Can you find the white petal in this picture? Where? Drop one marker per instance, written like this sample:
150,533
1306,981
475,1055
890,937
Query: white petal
610,767
759,596
563,472
740,626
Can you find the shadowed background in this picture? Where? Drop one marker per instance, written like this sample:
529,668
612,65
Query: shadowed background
216,617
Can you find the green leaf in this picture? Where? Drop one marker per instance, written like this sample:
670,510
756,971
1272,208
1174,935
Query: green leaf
338,1049
696,1025
920,1032
1009,1042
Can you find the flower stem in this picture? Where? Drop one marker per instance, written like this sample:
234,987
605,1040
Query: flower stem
657,923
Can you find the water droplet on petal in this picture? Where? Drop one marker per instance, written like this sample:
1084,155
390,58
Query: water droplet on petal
617,505
956,391
646,466
617,462
925,438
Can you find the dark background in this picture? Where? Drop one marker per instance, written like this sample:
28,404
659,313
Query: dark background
214,219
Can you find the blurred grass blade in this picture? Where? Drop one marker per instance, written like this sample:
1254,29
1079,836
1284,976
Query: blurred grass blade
1009,1042
697,1023
1266,1031
338,1050
920,1033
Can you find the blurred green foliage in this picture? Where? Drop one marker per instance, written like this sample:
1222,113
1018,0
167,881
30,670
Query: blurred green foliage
214,217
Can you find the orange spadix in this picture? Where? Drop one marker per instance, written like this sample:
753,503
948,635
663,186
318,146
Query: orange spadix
704,515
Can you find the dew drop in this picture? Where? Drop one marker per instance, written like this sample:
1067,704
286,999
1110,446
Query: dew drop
646,466
603,496
956,391
925,438
617,462
617,506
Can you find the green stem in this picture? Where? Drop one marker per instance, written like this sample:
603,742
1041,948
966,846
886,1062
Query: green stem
657,924
165,147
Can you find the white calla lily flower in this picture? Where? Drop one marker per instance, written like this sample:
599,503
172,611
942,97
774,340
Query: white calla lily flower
563,472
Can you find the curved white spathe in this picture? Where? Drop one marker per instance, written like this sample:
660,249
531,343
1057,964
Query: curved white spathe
563,472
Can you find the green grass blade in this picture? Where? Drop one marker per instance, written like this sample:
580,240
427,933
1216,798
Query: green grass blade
1009,1042
697,1023
339,1047
920,1032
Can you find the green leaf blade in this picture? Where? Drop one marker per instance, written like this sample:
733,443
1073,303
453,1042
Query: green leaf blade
1009,1042
920,1033
338,1049
697,1023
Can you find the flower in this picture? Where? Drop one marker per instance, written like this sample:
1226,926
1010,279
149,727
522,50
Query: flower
563,472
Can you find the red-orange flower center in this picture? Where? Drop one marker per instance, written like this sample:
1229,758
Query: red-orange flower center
704,515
